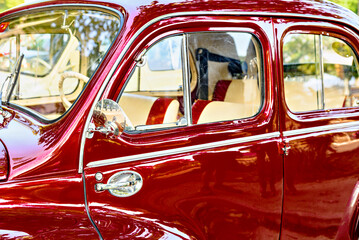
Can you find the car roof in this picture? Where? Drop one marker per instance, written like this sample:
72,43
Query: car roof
151,9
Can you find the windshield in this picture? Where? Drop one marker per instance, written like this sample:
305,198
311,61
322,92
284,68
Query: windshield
61,48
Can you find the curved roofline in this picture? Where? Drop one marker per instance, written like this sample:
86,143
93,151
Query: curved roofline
318,9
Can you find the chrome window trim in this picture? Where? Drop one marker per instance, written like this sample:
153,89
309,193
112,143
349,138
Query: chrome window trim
187,101
321,69
181,14
290,133
181,150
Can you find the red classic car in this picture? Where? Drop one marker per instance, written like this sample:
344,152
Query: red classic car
179,120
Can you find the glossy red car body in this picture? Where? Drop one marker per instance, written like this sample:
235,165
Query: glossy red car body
47,170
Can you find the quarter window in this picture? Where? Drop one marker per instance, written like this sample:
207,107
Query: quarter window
320,73
195,78
160,69
154,93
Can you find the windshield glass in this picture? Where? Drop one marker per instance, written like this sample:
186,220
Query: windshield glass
62,49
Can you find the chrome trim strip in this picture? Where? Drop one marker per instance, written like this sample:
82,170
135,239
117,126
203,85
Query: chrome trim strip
321,68
171,15
320,128
181,150
185,78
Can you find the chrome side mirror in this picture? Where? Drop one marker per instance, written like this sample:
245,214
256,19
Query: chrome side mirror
108,119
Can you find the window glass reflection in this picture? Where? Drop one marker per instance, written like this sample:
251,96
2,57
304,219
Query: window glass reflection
54,43
322,74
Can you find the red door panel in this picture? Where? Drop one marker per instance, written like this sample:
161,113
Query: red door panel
321,168
321,174
231,192
221,180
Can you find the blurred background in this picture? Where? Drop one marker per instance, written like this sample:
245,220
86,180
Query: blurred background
6,4
350,4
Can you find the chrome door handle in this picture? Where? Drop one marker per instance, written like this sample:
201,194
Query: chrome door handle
119,186
122,184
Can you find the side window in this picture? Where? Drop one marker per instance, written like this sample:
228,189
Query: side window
154,95
195,78
230,77
322,74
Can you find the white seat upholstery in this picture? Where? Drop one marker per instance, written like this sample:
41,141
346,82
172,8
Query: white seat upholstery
243,92
147,110
238,91
299,98
215,111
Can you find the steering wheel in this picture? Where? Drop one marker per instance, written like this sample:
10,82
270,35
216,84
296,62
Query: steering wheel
65,75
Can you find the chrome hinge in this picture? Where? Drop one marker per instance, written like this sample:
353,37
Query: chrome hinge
141,59
90,130
284,146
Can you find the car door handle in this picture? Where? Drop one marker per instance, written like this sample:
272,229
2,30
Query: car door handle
122,184
118,186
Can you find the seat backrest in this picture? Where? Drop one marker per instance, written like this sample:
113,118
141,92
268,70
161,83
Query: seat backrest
163,110
148,110
298,97
204,111
238,91
245,92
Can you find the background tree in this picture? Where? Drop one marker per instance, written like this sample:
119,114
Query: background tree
6,4
350,4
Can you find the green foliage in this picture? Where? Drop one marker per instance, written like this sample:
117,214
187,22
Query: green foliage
350,4
6,4
13,3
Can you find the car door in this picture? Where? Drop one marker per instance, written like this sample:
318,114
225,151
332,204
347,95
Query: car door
198,157
320,129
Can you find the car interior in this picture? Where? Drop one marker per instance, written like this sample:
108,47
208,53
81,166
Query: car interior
225,80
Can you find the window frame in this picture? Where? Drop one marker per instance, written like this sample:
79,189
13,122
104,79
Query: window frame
187,76
326,29
322,99
178,92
